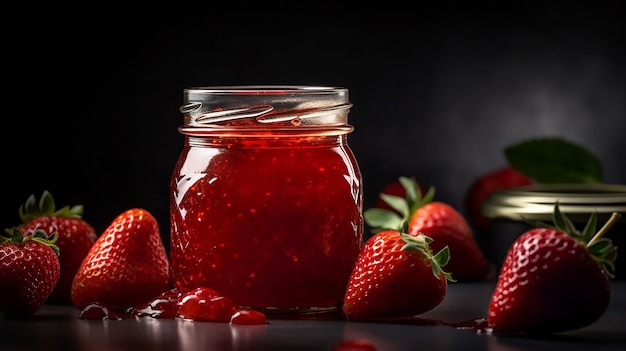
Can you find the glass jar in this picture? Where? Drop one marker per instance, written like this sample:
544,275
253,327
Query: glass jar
266,197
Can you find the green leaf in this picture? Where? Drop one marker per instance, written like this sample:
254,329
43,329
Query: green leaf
46,204
384,219
6,236
421,243
602,248
590,228
47,207
443,256
440,259
29,209
404,227
427,198
17,236
563,223
554,160
397,203
41,236
411,188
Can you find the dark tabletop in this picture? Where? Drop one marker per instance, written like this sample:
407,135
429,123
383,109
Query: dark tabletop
57,328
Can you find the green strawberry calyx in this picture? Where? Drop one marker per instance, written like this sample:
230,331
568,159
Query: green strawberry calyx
601,249
32,209
421,243
40,236
380,219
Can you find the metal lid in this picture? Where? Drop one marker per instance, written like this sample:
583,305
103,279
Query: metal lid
536,202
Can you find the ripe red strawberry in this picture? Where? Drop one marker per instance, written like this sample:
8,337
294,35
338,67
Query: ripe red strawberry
126,266
75,237
480,189
396,275
29,271
553,279
437,220
448,227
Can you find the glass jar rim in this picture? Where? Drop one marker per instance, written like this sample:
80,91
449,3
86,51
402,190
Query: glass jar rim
265,89
273,109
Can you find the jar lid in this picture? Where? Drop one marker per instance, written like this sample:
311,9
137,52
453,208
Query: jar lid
536,202
273,109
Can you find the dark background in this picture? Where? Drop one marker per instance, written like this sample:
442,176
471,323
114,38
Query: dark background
91,93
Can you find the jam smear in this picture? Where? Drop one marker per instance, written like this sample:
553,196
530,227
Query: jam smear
163,306
201,304
477,325
205,304
248,317
97,311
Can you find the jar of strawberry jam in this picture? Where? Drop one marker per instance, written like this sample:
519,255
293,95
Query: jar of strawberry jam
266,197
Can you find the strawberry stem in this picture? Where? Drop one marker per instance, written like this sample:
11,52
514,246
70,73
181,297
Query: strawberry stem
40,236
605,228
46,206
421,243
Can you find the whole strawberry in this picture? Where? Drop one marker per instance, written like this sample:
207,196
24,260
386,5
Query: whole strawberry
553,279
396,275
480,189
126,266
437,220
75,237
29,271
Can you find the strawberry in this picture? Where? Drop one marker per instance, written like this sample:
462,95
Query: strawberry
29,271
480,189
126,266
396,275
75,237
553,279
437,220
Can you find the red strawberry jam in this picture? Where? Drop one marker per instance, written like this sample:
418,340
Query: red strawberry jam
97,311
204,304
248,317
163,306
266,210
